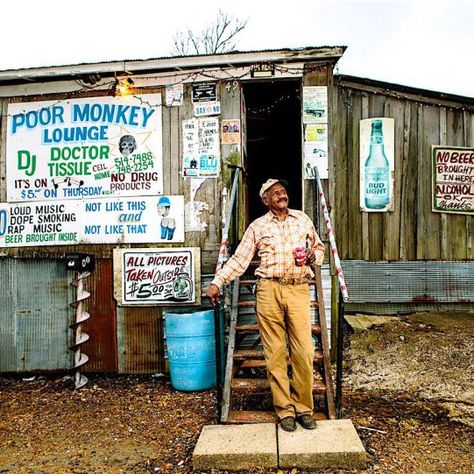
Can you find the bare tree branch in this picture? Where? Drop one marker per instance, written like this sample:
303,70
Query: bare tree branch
219,37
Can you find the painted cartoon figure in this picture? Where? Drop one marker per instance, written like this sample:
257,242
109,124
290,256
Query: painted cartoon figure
168,224
182,286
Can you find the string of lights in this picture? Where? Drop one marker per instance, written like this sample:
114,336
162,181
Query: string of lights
126,86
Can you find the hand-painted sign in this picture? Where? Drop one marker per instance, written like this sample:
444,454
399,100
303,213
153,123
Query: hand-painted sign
156,276
93,221
453,179
201,148
83,148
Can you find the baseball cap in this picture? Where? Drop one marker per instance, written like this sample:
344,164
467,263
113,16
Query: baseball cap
269,183
164,201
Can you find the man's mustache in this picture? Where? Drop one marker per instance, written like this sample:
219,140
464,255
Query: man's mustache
282,199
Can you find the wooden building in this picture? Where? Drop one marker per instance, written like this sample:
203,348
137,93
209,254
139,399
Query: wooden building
263,110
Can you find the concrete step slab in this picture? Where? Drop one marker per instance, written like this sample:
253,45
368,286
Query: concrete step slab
236,447
334,444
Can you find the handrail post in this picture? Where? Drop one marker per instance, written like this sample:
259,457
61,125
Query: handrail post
340,349
217,319
217,339
343,295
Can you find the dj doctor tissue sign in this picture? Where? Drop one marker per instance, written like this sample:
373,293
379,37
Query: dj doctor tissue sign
84,148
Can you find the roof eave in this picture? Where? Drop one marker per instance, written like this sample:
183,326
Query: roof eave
136,66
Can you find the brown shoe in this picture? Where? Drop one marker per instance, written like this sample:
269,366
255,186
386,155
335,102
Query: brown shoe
288,423
306,421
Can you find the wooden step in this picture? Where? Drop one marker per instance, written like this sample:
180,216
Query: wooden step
247,385
255,359
243,416
251,328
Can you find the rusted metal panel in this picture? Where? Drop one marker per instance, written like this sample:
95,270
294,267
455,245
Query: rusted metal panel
101,348
140,340
414,282
34,316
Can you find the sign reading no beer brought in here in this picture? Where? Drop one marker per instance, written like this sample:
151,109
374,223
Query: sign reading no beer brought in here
84,148
453,179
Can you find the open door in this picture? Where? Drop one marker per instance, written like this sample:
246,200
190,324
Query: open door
271,139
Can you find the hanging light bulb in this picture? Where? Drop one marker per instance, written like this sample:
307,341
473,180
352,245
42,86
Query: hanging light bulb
123,86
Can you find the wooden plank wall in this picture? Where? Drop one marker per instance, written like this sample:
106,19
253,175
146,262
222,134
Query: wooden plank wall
411,231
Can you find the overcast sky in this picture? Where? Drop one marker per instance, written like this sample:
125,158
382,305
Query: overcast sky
425,43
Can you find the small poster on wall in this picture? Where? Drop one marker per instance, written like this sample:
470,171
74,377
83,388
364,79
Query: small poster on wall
205,109
316,151
376,164
174,95
315,104
157,276
453,179
204,92
201,148
231,131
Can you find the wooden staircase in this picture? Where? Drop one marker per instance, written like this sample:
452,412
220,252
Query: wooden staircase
246,397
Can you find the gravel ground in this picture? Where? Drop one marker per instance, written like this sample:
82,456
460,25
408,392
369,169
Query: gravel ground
122,424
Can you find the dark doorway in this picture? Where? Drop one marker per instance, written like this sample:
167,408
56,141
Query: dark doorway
273,113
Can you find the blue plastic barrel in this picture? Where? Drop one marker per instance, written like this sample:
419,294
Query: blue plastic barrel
191,349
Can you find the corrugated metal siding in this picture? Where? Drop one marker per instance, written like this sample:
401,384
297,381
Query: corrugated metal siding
7,317
102,325
415,282
140,340
34,316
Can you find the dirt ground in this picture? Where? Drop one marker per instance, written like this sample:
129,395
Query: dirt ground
408,389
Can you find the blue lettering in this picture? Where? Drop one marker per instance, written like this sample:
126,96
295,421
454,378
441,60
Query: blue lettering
80,113
122,109
146,115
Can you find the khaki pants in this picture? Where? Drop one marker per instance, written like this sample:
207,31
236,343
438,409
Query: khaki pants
284,310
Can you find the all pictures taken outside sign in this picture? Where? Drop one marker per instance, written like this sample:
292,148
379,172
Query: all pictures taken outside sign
157,276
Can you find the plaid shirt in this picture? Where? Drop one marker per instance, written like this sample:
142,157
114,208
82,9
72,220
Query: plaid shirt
275,242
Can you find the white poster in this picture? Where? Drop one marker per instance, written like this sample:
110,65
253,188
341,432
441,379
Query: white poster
174,95
316,156
201,147
84,148
157,276
93,221
376,164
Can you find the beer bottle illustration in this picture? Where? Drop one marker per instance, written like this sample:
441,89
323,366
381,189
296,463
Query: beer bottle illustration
377,171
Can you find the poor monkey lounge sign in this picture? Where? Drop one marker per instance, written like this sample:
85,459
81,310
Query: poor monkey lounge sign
84,148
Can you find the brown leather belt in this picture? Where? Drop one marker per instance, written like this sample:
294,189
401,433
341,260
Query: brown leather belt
289,281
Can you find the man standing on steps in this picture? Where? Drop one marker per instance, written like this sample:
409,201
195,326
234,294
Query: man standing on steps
283,298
